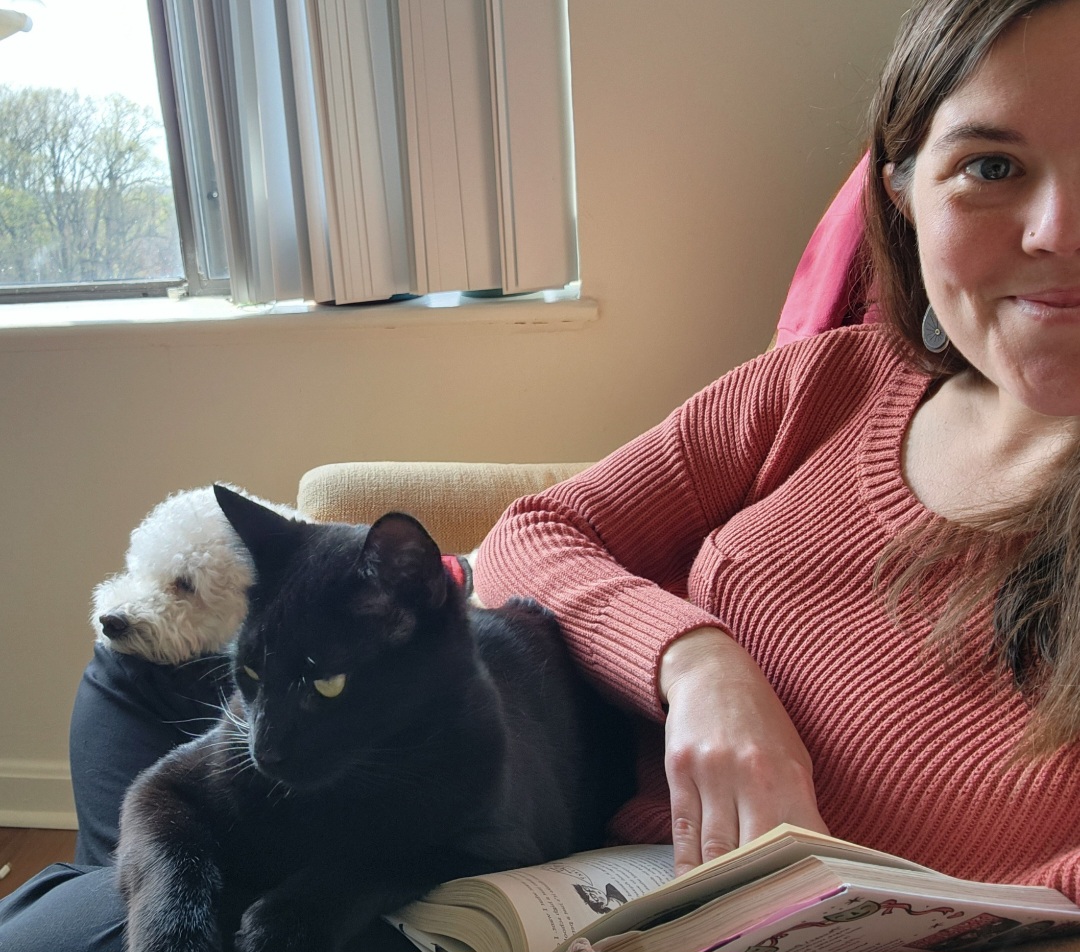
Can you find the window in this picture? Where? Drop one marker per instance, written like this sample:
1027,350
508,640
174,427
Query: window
86,197
391,147
330,150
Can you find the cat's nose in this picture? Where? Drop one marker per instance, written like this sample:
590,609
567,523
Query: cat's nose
114,624
271,757
268,753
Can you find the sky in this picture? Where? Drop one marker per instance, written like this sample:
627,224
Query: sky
94,46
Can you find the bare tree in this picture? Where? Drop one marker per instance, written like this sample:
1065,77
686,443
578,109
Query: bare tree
83,195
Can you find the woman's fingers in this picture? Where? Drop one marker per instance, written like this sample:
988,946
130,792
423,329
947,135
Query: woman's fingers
704,823
735,764
686,836
719,801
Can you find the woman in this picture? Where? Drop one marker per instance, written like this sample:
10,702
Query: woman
763,572
729,573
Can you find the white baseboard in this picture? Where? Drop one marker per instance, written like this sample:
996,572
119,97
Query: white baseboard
36,793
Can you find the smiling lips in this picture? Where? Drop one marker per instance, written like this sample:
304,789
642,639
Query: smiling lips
1056,298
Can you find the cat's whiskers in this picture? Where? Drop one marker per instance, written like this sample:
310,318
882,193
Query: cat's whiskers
236,759
229,742
194,731
238,721
246,766
224,662
232,742
209,720
281,785
239,759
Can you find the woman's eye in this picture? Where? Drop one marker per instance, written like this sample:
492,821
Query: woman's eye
991,168
330,687
251,673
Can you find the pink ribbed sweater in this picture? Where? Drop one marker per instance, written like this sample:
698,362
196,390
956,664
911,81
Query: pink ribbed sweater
762,505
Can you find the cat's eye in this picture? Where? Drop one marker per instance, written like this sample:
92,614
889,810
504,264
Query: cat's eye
330,687
251,673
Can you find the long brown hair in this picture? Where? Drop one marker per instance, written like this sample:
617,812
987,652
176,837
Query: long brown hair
1034,571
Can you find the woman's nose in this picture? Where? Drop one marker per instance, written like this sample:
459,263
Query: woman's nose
1053,223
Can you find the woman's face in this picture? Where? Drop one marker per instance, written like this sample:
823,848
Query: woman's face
995,200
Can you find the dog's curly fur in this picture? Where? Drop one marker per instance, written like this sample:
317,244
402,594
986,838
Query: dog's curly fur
183,591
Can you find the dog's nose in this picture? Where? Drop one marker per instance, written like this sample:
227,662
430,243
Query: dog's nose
113,624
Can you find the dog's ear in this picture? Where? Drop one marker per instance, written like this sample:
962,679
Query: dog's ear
263,531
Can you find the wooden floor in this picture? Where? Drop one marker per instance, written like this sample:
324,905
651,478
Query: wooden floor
27,852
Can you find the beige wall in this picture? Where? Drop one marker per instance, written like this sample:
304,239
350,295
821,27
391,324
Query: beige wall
710,135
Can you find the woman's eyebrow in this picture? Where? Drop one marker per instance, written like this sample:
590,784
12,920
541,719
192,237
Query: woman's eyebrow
969,131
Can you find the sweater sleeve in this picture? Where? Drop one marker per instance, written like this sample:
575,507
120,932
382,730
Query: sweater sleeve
1061,873
610,550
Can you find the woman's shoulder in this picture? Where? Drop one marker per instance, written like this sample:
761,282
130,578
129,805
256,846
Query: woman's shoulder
857,358
805,389
870,346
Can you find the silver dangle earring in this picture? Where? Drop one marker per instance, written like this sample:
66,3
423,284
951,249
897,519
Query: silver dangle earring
933,335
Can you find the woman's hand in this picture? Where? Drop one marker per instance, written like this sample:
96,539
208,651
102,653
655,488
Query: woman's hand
735,764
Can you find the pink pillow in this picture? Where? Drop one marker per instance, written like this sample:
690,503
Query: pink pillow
821,292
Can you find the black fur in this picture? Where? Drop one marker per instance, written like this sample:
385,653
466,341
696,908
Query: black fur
462,741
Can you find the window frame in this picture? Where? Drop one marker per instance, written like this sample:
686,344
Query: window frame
195,278
189,167
219,154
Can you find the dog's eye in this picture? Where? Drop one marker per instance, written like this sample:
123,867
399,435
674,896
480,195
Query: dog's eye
331,687
251,673
185,585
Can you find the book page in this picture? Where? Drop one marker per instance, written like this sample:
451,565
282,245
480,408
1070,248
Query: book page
538,908
780,847
427,941
861,920
608,892
556,900
823,905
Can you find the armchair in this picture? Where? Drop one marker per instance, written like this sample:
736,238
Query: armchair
457,502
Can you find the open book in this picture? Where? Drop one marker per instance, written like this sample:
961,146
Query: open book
790,888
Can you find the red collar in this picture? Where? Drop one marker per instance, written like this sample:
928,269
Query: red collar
457,567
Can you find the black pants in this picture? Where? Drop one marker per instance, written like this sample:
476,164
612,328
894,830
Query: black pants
127,714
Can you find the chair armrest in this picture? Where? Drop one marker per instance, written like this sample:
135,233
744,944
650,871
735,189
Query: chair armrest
457,502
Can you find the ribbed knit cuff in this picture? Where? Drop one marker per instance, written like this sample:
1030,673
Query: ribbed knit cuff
628,632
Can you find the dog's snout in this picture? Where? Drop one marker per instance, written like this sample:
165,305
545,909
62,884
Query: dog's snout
113,624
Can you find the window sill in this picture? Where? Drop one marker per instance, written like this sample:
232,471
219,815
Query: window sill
548,308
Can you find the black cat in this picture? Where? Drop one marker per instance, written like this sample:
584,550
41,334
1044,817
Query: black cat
383,738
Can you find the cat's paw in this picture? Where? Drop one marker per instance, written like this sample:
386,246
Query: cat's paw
166,934
269,926
158,920
531,605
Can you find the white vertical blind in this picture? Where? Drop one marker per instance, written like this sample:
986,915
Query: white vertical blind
373,148
317,210
446,102
530,62
358,158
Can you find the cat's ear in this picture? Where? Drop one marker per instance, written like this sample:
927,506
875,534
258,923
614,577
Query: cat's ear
406,557
260,529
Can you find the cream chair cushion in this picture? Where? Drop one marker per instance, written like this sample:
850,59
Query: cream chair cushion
457,502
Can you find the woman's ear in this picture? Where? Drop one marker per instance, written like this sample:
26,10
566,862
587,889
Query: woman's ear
896,195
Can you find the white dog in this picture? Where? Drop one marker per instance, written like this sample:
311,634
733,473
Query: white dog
183,591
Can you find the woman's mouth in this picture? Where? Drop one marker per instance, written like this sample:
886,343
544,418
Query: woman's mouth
1052,297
